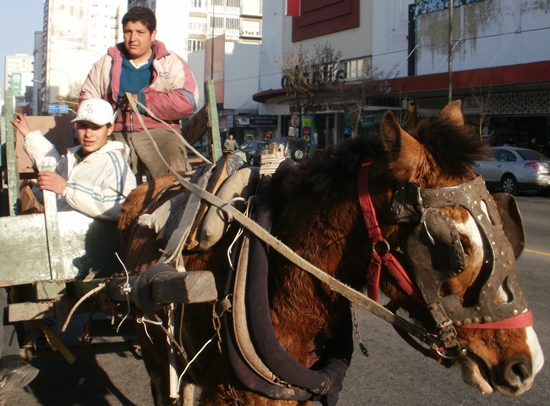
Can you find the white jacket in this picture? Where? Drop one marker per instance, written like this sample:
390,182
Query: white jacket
97,186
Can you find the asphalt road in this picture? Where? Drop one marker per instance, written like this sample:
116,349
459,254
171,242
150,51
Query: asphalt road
393,374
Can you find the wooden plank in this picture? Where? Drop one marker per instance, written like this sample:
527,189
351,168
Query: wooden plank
11,159
210,95
196,127
23,250
171,287
85,243
30,311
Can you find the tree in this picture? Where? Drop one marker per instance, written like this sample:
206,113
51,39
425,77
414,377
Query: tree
309,77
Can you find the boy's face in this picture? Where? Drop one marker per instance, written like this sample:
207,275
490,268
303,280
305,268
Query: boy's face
138,40
92,137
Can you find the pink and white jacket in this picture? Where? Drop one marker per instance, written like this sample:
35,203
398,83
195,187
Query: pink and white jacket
172,96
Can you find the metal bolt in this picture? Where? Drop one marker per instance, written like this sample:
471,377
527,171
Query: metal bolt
515,312
476,320
467,322
487,319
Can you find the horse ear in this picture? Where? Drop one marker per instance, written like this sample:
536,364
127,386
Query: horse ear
406,155
453,113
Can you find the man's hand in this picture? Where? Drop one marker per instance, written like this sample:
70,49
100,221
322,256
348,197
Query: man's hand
51,181
21,124
124,103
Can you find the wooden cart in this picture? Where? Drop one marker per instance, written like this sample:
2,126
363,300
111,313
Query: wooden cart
53,259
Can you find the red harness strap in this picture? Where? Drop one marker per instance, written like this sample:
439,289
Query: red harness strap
375,234
522,320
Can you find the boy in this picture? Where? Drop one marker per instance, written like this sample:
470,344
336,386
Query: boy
93,177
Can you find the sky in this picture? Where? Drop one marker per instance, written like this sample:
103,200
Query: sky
20,20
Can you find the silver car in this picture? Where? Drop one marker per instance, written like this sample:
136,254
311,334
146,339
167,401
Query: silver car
513,169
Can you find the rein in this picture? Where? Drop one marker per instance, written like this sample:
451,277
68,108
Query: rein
447,331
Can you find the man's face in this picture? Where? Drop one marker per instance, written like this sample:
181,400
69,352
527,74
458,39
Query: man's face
138,40
92,137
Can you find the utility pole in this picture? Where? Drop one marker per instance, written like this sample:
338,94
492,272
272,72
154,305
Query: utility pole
450,59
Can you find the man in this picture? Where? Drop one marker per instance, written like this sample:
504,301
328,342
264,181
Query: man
93,177
230,144
157,78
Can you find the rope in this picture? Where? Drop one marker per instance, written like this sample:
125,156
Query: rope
82,299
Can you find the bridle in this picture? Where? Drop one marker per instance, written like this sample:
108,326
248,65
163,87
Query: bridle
434,254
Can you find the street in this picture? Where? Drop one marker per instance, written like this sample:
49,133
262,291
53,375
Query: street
393,374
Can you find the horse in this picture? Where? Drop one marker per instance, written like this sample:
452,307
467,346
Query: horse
365,207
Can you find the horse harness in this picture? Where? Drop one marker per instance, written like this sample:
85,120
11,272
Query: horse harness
434,254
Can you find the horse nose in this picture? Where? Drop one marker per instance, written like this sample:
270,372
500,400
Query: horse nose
518,372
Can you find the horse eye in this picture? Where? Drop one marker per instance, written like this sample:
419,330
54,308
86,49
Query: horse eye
466,245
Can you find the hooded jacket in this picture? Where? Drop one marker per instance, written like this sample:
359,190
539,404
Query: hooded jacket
96,186
172,95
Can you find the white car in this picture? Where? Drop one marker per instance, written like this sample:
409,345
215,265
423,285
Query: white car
514,169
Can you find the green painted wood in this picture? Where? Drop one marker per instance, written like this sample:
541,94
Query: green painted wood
11,159
85,244
3,173
210,95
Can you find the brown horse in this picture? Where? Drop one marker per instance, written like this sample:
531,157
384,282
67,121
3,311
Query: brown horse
442,235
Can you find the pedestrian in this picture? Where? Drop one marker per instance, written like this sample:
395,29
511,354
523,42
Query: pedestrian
158,79
93,177
230,144
533,144
509,143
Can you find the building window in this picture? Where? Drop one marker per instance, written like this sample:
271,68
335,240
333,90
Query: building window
232,23
358,68
195,45
234,3
196,3
218,2
218,22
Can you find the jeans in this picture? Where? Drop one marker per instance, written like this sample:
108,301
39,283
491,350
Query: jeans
142,149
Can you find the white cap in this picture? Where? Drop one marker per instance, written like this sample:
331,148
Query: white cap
98,111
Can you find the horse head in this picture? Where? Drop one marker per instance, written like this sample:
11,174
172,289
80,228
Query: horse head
447,231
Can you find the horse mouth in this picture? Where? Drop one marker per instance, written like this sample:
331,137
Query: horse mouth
475,372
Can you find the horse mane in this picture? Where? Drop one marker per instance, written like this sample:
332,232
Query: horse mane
454,148
324,175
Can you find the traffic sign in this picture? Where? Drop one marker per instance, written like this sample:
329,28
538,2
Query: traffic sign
58,109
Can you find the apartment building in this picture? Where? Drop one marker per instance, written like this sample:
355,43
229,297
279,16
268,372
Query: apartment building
75,35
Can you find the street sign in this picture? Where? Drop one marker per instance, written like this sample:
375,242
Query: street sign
58,109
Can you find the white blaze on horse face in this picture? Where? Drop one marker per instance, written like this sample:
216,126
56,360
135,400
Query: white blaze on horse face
537,357
470,230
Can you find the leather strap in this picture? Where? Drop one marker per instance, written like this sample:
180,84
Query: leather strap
375,234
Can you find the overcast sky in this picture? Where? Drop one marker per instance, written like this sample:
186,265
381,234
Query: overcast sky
20,20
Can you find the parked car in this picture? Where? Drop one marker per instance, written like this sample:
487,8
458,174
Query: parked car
295,148
513,169
253,150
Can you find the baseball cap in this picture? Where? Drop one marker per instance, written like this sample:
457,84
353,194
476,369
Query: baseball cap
97,111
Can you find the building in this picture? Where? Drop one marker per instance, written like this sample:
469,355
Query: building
239,20
236,77
76,34
500,63
19,76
